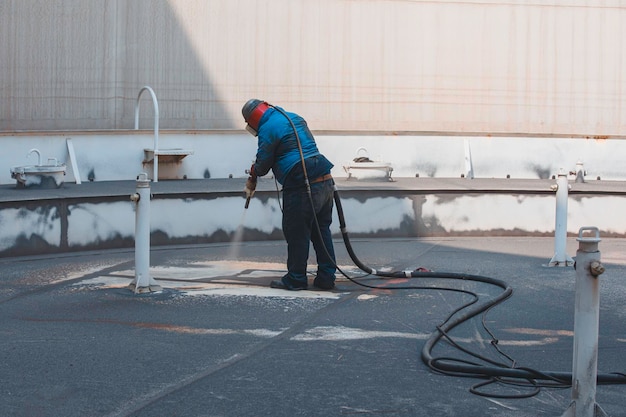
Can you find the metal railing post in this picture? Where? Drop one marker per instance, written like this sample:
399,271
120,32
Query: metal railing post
561,187
586,327
143,281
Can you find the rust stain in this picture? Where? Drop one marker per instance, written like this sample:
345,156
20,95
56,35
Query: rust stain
397,281
144,325
379,291
170,328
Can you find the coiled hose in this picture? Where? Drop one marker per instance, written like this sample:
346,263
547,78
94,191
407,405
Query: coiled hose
453,366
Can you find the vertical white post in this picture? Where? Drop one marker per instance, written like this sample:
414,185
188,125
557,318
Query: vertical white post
70,150
580,172
469,165
560,258
143,281
586,327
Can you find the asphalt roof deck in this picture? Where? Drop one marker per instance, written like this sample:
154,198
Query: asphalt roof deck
218,342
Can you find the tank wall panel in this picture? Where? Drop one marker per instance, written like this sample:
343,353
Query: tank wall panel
549,67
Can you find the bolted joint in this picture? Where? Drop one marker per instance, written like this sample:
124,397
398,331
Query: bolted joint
596,268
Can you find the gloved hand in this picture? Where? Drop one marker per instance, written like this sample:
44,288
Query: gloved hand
250,186
249,190
251,183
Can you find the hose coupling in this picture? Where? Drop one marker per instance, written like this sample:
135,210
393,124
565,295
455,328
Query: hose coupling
596,268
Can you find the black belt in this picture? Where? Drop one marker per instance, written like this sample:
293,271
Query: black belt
322,178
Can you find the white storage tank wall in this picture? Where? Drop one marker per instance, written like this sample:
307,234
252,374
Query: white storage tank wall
543,67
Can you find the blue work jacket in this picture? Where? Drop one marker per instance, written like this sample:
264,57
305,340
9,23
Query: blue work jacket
278,147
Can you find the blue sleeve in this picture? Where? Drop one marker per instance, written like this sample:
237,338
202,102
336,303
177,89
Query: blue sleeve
265,154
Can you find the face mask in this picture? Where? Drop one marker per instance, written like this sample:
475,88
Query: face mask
251,130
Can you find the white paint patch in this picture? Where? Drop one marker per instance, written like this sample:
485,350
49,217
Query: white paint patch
225,268
106,221
238,290
521,212
594,211
540,332
348,333
540,342
221,278
263,333
196,272
16,223
364,297
109,220
467,213
220,269
375,214
501,404
199,217
194,288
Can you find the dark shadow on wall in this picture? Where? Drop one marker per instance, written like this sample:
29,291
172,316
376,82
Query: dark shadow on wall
73,65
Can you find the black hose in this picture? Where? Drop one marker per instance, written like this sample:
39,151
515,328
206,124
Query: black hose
346,239
452,366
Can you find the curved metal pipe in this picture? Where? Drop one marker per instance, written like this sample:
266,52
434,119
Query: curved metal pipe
38,155
155,103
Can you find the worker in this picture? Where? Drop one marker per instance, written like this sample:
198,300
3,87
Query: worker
279,150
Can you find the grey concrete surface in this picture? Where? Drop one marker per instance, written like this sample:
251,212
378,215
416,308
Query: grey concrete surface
218,342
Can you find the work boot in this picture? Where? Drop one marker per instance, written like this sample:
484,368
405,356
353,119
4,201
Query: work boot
324,285
280,284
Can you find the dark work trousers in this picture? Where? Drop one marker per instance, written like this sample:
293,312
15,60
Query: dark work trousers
299,229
